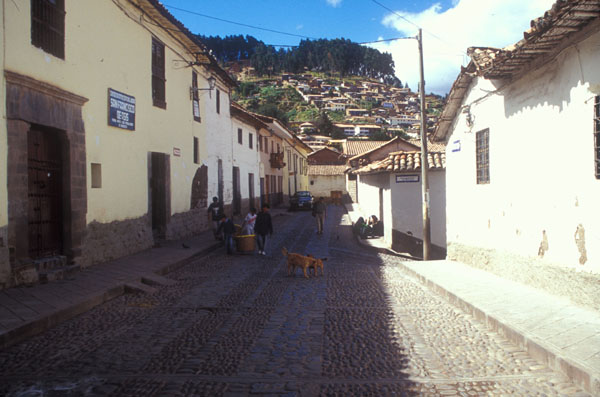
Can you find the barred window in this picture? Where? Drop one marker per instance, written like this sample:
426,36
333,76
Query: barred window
483,156
48,26
240,136
195,98
597,135
250,140
158,74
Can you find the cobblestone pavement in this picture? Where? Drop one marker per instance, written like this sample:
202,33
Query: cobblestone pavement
239,325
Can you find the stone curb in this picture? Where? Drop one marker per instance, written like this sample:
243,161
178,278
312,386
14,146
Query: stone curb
578,373
41,324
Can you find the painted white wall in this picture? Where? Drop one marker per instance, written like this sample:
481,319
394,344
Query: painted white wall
407,207
541,162
323,185
245,157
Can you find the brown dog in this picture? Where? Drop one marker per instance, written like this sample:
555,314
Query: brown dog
316,264
296,260
304,262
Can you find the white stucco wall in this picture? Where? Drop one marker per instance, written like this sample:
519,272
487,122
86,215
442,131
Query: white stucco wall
246,158
542,184
407,207
323,185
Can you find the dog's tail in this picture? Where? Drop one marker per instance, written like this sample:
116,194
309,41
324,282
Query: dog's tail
284,251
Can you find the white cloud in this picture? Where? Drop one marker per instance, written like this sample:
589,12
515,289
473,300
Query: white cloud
299,27
334,3
448,34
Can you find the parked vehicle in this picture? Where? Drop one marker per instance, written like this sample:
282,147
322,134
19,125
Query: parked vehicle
301,200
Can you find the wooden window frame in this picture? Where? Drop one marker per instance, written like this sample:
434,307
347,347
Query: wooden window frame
159,82
482,156
195,97
597,136
48,26
218,100
240,136
250,140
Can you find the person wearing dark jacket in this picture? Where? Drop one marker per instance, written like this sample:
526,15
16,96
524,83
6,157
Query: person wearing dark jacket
215,211
228,228
262,227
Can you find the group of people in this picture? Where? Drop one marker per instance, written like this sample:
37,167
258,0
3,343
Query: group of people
224,229
371,228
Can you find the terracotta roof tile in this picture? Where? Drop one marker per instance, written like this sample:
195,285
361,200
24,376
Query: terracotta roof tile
326,169
405,161
563,19
352,148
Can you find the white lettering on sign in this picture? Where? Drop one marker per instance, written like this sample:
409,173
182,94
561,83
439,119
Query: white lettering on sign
407,178
121,110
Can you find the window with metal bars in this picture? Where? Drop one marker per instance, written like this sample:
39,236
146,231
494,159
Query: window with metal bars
158,74
195,97
48,26
482,143
597,135
240,136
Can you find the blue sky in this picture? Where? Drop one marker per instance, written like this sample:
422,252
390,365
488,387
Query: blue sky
449,27
358,20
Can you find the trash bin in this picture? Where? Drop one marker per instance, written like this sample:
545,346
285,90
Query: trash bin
245,243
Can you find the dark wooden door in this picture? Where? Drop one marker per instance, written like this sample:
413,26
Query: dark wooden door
158,196
237,194
44,165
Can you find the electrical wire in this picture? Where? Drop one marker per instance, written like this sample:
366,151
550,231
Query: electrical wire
238,23
414,24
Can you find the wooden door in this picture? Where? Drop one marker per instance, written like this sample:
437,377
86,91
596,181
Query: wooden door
44,163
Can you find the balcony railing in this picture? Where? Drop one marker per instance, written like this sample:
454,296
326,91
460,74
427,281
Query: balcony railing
276,160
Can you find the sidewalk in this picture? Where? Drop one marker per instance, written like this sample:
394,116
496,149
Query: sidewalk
26,311
552,329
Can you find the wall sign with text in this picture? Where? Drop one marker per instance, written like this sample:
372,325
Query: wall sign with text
121,110
407,178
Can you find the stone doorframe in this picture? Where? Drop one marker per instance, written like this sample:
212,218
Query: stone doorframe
29,101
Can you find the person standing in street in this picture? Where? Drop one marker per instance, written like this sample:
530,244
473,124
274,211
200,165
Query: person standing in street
320,212
249,221
227,227
262,227
215,211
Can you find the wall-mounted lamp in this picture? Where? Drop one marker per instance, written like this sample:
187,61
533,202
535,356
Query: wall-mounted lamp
211,86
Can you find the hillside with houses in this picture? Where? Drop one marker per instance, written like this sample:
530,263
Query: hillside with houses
320,107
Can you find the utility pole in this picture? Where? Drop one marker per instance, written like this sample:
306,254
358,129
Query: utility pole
424,162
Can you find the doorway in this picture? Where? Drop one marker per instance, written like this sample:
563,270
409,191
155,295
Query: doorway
45,192
159,202
237,196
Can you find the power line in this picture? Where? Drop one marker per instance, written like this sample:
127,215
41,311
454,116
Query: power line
414,24
237,23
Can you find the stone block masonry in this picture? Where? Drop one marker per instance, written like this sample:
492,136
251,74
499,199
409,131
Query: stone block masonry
107,241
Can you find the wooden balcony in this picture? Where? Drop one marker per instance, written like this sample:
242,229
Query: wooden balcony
276,160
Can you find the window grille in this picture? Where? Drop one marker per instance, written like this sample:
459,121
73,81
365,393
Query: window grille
597,135
48,26
158,74
483,156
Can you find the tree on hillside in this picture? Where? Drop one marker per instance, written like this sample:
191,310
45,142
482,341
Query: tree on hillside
324,125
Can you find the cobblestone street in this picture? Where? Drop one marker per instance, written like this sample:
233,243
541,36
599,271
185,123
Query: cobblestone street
238,325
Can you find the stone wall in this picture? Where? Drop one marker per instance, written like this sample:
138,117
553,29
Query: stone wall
187,223
4,258
107,241
578,286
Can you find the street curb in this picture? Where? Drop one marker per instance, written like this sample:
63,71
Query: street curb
578,373
40,325
44,323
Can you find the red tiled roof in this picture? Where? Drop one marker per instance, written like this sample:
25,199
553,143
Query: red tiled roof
564,19
405,161
352,148
326,169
